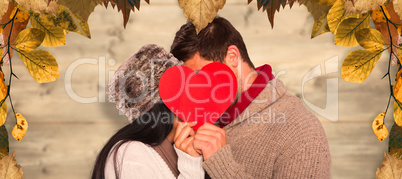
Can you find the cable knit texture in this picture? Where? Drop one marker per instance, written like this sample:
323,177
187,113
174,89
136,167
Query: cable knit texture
138,160
274,137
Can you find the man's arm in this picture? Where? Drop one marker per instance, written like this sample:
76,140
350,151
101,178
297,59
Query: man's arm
218,158
223,165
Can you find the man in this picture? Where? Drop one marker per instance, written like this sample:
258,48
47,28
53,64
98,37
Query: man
268,133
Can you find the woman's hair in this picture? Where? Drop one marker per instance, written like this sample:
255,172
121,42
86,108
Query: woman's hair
150,128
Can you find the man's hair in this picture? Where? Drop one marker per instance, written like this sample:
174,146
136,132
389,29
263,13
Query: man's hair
212,42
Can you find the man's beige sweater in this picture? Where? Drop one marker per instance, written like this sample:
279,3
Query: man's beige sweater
274,137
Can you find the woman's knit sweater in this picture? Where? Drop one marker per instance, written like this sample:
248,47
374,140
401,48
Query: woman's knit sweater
138,160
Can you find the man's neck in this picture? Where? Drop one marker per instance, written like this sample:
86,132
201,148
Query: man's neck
248,75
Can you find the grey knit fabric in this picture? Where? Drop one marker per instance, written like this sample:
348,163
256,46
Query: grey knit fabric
134,86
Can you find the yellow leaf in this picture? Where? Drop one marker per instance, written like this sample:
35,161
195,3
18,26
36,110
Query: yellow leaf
345,35
378,15
20,17
41,65
20,128
391,168
324,2
337,14
3,7
358,65
54,35
1,29
3,87
380,130
67,20
398,7
3,113
320,27
9,169
201,12
29,39
319,14
39,6
370,39
362,6
399,53
397,86
82,8
397,114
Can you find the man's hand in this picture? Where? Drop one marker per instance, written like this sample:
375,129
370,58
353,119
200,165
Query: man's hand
184,138
209,139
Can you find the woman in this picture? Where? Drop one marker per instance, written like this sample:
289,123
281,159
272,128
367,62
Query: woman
144,148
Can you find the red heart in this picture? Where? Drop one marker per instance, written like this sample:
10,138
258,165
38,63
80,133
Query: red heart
202,96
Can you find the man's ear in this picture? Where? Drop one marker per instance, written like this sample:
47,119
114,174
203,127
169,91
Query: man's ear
232,56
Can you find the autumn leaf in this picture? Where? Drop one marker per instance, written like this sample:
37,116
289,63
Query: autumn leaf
362,6
3,7
20,128
66,20
3,87
395,142
378,14
9,169
3,113
54,35
398,7
29,39
319,14
345,34
320,27
397,86
39,6
390,168
271,6
370,39
358,65
391,32
397,114
41,65
20,16
380,130
17,28
4,146
324,2
82,8
337,14
125,6
201,12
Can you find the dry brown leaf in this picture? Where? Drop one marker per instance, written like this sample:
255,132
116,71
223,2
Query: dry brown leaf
39,6
9,169
391,168
274,5
382,27
398,7
201,12
17,28
380,130
125,6
362,6
3,7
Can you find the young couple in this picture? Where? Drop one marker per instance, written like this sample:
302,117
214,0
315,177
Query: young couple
266,133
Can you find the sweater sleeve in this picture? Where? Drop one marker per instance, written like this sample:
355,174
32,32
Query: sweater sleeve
189,166
223,165
309,160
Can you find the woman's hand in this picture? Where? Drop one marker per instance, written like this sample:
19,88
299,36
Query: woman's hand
184,138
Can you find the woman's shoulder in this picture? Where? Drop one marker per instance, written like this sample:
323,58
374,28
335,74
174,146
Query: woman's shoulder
134,150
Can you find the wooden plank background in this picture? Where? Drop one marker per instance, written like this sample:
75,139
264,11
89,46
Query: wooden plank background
64,135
